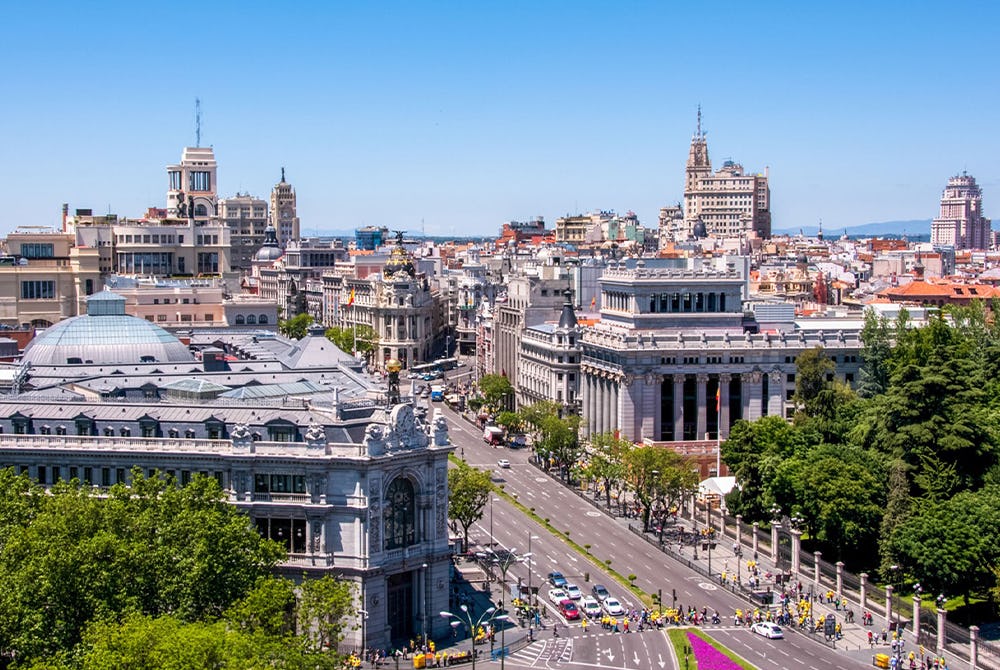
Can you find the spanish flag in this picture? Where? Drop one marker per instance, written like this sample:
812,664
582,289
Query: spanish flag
593,302
350,298
718,399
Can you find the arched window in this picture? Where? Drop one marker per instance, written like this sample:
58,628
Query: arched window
200,210
251,319
240,319
400,514
262,319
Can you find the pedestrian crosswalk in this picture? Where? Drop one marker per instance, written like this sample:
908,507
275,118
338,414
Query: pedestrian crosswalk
546,651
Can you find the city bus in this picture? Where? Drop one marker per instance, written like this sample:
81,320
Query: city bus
445,364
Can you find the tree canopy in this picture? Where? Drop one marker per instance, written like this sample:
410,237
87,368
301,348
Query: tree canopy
295,327
361,338
469,490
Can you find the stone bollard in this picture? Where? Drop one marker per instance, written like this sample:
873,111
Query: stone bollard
942,617
973,647
756,540
796,551
774,542
864,591
916,618
817,555
840,580
739,529
888,605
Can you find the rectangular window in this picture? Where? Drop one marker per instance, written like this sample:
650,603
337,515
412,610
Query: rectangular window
88,475
120,475
41,474
42,289
200,181
105,476
37,250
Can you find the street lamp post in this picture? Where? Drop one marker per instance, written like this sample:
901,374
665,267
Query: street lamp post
423,600
364,643
466,618
504,561
530,538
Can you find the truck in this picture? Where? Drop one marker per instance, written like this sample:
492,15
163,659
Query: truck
437,393
493,435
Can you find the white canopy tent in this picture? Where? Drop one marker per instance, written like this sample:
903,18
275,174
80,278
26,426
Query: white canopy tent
716,486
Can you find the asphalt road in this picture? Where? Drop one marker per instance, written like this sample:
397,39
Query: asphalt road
610,540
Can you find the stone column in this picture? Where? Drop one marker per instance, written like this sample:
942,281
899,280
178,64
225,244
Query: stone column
724,380
816,556
864,591
746,378
775,525
888,605
973,647
701,393
615,414
679,406
756,541
942,617
840,580
796,552
739,530
722,520
776,393
916,618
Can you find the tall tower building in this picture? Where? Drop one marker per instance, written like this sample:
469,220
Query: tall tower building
191,193
283,214
961,223
728,203
246,218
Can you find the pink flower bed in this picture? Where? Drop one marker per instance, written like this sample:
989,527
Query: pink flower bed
708,657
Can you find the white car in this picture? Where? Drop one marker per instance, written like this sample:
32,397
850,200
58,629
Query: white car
767,629
557,595
590,606
573,591
504,463
612,606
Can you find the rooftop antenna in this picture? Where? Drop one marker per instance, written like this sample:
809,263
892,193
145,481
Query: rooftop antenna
698,132
197,122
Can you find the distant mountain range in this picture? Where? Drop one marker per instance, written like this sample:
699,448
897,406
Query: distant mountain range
913,228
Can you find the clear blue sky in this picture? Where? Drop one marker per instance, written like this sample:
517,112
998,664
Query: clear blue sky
468,114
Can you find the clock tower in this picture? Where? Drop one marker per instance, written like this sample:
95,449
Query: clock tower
284,216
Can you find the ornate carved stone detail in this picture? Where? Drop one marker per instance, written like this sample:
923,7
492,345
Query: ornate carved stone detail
680,378
725,378
440,429
775,375
240,435
375,514
317,537
756,376
652,378
374,440
702,377
404,431
315,435
627,379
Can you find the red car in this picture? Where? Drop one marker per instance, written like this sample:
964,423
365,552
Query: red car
569,609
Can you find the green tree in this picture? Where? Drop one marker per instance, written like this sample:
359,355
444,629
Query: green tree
468,492
658,477
839,492
295,327
753,452
812,367
952,545
607,461
876,352
151,547
559,439
269,608
509,421
323,610
361,336
495,389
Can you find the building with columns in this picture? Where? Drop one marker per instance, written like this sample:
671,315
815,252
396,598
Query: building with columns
675,358
298,439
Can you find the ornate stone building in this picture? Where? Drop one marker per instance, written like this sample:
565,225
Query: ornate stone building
960,222
294,435
674,358
549,361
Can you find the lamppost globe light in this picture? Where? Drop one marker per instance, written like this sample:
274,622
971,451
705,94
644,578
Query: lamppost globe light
464,608
445,615
491,609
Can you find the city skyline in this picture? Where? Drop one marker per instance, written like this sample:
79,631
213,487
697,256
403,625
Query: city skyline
453,119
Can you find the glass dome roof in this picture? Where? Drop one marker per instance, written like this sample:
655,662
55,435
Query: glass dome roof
105,335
